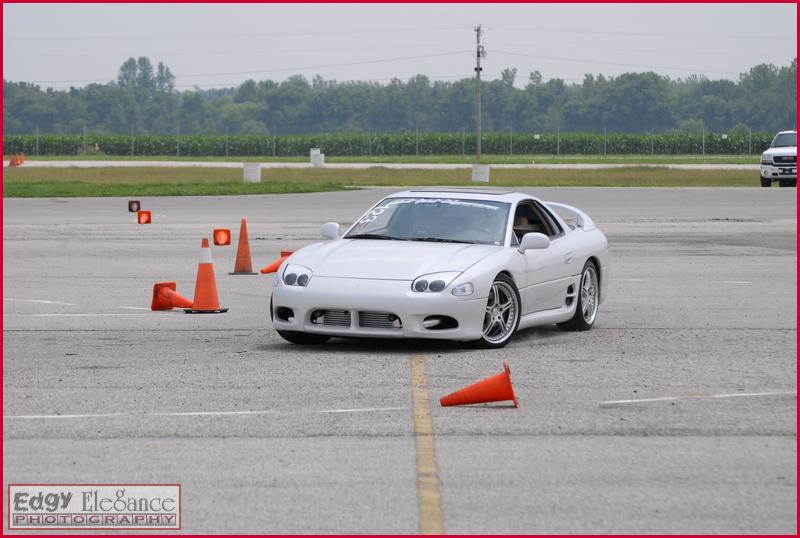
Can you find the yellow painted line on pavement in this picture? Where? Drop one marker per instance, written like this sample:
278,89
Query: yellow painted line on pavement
431,520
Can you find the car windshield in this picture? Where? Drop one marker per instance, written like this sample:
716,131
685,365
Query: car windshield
784,140
446,220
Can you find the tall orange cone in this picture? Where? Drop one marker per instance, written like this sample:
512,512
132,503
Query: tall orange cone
206,300
166,298
22,158
244,264
273,267
496,388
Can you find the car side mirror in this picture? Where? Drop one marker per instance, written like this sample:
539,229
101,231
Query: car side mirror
330,230
534,241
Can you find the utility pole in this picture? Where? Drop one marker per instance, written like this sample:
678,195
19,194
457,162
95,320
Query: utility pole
480,52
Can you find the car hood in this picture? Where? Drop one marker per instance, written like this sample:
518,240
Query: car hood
786,150
388,260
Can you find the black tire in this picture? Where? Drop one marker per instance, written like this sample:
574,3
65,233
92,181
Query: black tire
304,339
502,289
579,321
787,182
766,182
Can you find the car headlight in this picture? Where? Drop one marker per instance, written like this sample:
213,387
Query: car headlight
296,275
434,282
766,159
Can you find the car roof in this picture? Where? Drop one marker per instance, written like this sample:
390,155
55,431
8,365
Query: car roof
786,132
466,193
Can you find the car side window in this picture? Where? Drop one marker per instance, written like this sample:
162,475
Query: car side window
527,220
556,230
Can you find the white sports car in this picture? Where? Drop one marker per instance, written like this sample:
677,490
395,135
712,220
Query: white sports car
473,265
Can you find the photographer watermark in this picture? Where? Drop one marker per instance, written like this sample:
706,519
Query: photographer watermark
94,506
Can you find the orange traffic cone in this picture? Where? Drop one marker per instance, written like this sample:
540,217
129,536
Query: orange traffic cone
273,267
244,264
22,158
206,300
496,388
166,298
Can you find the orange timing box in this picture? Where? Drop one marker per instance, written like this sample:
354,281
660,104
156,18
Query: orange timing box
145,217
222,237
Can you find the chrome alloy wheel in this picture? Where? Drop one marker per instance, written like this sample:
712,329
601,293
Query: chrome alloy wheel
500,317
589,297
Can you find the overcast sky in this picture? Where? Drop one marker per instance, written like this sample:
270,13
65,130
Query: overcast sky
216,45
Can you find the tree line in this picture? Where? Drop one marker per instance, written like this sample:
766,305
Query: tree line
143,100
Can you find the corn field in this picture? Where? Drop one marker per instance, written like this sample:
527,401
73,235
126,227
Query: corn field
379,144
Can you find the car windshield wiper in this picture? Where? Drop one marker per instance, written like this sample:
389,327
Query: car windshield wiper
375,236
441,240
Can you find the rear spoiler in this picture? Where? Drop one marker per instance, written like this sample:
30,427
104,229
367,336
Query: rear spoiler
582,220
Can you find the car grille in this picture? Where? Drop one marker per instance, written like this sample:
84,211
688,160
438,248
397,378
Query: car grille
785,160
377,320
333,318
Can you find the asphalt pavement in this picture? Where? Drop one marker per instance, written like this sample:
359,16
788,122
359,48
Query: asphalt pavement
675,414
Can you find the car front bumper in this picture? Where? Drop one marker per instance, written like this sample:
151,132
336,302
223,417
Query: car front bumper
359,296
779,172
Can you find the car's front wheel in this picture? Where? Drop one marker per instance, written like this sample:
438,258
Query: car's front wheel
501,315
306,339
766,182
588,300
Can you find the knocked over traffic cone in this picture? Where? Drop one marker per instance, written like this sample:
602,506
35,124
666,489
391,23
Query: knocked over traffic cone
243,264
206,300
166,298
496,388
273,267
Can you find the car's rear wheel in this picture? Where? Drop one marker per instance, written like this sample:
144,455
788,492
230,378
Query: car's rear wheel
787,182
501,315
766,182
304,339
588,300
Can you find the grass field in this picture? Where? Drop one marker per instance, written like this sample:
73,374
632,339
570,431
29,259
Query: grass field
70,182
445,159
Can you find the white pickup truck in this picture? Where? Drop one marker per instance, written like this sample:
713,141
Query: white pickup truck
780,161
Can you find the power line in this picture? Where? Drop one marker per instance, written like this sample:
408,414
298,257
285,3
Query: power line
236,35
646,66
232,85
704,35
275,70
245,52
671,50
